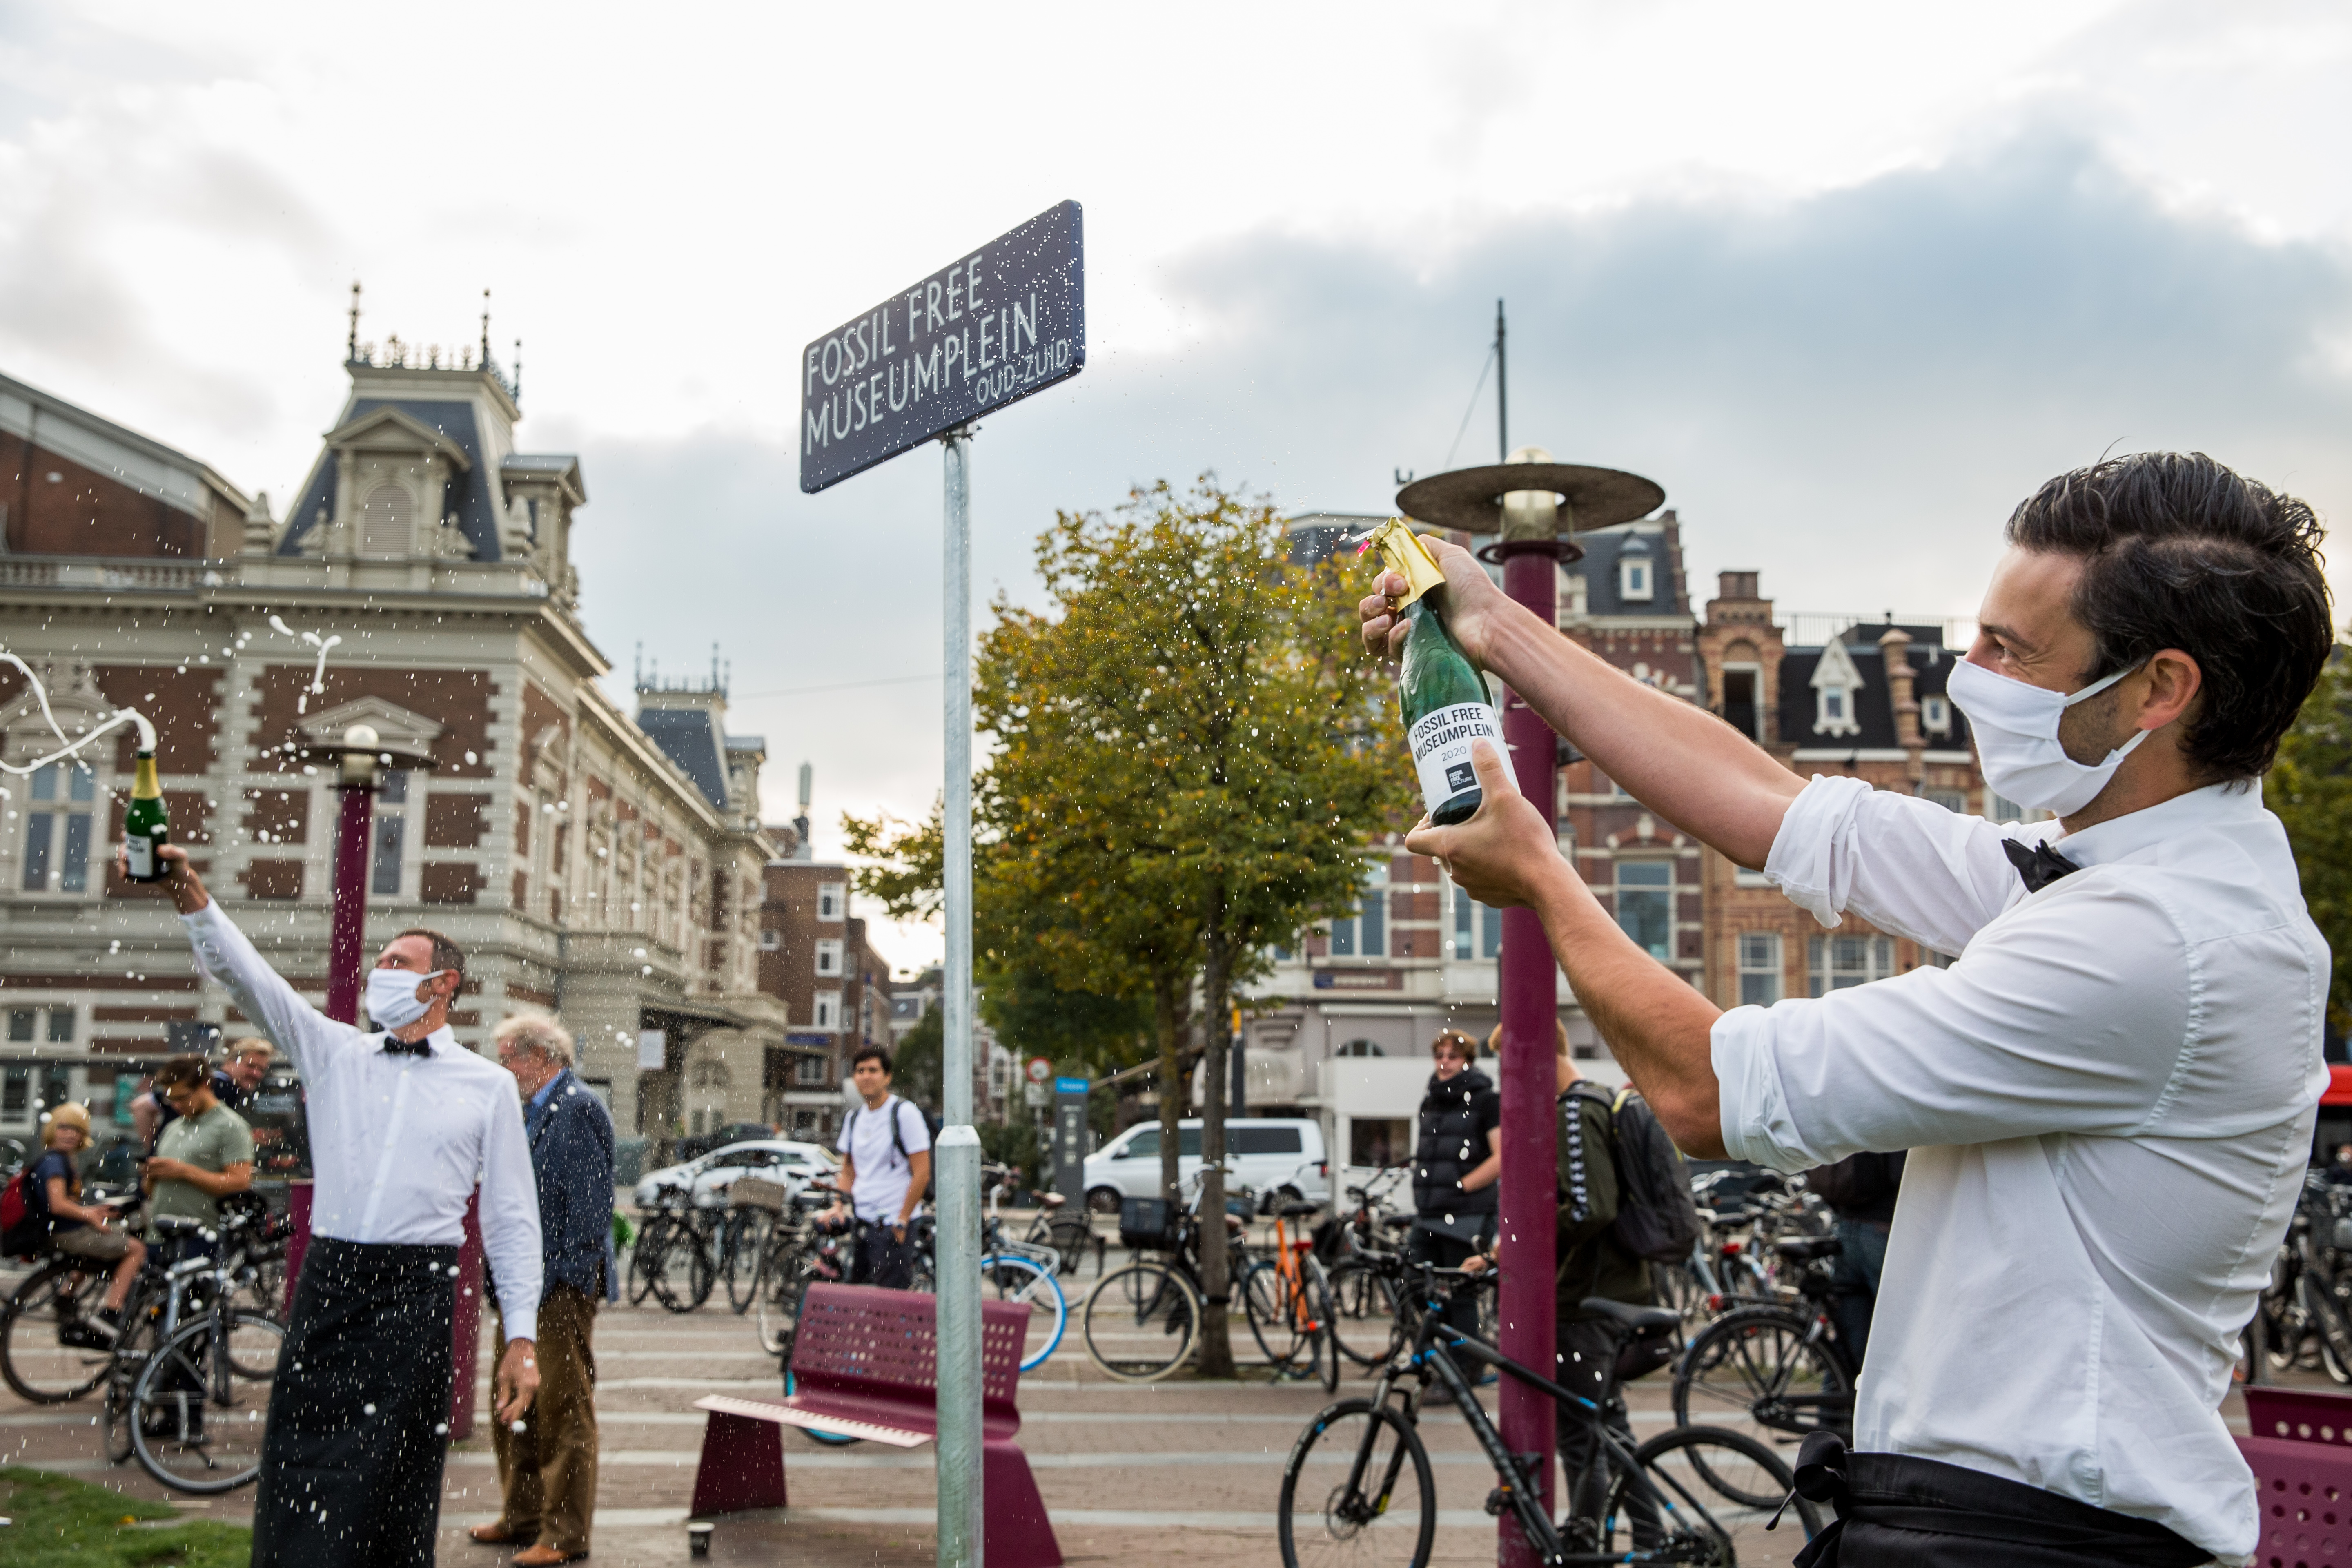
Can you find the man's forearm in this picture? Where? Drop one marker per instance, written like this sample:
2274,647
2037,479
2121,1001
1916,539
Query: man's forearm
1677,759
1659,1029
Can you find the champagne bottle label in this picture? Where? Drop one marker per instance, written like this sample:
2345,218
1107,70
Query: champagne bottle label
139,851
1441,749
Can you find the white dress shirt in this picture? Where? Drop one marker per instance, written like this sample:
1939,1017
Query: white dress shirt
397,1141
2108,1100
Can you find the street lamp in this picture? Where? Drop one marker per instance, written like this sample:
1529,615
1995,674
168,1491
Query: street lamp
1529,504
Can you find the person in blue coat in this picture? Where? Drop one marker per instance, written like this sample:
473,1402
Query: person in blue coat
547,1471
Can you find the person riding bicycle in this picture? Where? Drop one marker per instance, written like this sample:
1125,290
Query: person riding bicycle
81,1230
886,1148
1455,1161
203,1154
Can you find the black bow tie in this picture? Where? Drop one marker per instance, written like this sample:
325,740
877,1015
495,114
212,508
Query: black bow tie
397,1047
2039,866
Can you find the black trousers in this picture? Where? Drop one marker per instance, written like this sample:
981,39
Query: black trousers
882,1260
358,1417
1893,1510
1588,1365
1447,1252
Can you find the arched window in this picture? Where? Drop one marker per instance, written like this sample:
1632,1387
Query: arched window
388,521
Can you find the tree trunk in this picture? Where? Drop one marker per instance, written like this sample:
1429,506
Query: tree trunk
1216,1272
1167,1012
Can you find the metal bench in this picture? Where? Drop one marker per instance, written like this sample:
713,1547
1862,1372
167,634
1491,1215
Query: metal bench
864,1365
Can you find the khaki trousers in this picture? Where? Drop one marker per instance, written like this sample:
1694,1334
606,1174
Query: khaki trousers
547,1471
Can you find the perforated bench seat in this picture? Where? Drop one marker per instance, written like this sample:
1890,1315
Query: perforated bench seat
865,1364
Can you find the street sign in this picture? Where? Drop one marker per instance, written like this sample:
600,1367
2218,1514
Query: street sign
1040,1069
990,328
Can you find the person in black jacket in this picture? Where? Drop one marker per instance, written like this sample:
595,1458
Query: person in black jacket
1859,1189
1456,1162
547,1468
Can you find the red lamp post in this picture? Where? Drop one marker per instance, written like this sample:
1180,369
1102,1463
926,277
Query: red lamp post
1529,504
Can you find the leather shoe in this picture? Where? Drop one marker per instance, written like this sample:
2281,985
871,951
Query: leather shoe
544,1556
492,1534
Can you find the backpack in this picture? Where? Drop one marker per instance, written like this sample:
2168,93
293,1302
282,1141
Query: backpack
932,1125
1657,1218
23,1218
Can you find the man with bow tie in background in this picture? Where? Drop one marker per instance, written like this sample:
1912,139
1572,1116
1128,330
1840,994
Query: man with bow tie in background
401,1123
2108,1099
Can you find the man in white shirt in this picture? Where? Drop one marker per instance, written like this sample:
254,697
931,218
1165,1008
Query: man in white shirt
2108,1097
886,1148
401,1123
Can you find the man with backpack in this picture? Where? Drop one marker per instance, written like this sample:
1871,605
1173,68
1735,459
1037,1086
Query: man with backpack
885,1168
1618,1178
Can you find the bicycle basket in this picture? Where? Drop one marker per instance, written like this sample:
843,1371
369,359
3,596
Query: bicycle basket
751,1192
1146,1223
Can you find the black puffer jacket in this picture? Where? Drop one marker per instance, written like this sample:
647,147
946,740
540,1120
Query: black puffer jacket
1456,1115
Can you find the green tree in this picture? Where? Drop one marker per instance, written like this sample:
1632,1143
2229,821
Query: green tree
915,1065
2310,788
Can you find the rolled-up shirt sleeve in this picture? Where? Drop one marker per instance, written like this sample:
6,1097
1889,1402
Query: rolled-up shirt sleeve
1905,865
2035,1029
510,1219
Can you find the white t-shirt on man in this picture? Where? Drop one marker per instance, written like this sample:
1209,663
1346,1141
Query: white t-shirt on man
882,1171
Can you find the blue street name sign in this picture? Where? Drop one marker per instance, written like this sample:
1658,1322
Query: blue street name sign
991,327
1069,1086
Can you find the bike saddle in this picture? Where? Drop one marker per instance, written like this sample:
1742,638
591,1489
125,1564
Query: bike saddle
1640,1319
173,1224
1298,1210
1805,1248
1397,1221
1049,1201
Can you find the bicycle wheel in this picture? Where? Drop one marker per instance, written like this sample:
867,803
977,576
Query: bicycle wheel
1023,1280
747,1257
42,1317
1277,1319
644,1257
196,1424
1371,1497
1763,1363
1363,1307
1706,1495
683,1273
1139,1322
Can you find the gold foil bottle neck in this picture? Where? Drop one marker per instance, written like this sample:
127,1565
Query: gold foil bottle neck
1402,553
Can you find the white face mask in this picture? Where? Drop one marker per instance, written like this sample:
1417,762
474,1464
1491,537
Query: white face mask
392,996
2016,727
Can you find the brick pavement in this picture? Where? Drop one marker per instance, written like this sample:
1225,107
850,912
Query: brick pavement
1183,1468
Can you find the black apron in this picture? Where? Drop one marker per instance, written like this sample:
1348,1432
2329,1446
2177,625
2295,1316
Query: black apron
1893,1510
358,1417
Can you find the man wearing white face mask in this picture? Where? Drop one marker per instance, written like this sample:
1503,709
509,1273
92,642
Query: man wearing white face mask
2108,1097
401,1123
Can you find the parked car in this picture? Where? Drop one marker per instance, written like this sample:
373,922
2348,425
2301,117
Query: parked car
779,1160
1278,1157
702,1143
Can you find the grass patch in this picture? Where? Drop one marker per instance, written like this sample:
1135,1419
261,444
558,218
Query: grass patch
56,1522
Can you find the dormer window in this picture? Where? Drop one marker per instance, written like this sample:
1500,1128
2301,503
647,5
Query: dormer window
1837,689
1633,579
1936,715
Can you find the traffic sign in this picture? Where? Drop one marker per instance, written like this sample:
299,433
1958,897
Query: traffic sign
1040,1069
988,328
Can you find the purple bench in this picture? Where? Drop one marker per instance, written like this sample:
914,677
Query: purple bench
864,1365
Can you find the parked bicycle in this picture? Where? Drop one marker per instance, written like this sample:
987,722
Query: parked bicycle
1359,1487
1288,1301
676,1259
1784,1367
1141,1323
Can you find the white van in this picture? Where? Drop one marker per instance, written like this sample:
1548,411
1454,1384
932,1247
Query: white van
1271,1156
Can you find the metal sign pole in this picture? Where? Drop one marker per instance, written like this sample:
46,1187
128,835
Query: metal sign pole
958,1155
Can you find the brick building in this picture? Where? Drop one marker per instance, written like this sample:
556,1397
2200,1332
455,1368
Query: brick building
604,864
833,985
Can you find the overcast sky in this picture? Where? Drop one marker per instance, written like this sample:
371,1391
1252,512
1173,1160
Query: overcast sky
1846,280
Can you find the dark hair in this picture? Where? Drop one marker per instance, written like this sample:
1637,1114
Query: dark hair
869,1054
183,1072
2181,553
446,954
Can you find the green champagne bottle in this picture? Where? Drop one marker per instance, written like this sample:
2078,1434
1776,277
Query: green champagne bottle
1442,693
146,826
